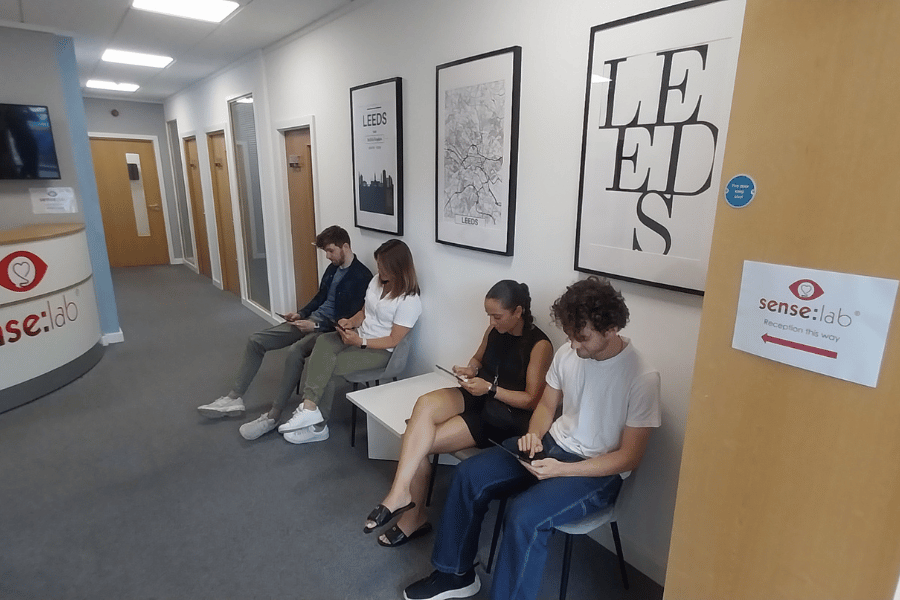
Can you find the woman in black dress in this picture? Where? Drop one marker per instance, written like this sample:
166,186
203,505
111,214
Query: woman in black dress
498,389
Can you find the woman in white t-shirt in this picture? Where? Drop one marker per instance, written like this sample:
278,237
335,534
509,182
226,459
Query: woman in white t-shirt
362,342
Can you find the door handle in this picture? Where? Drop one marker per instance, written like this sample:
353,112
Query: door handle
153,206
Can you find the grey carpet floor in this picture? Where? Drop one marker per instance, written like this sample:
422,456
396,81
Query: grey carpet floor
115,487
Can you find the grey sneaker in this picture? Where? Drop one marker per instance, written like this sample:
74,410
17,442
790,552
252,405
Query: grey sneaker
301,419
257,427
307,435
223,407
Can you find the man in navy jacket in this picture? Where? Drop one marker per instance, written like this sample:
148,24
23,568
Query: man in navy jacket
341,295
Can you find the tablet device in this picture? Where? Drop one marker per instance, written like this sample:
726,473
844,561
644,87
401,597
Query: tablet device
335,324
449,372
523,456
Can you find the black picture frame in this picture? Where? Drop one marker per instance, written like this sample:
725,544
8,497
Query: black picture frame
376,129
476,150
646,211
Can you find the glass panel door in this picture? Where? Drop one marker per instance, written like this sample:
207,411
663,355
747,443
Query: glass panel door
246,166
184,223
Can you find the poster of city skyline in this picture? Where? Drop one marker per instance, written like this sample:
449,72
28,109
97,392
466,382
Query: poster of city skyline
376,129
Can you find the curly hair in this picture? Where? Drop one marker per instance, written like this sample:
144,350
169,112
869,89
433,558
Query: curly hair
592,301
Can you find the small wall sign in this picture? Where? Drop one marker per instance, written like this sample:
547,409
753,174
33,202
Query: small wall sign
831,323
739,191
53,200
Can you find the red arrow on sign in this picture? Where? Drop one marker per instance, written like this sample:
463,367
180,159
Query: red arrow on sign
797,346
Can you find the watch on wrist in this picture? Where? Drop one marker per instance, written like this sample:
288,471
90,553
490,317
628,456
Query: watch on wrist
363,343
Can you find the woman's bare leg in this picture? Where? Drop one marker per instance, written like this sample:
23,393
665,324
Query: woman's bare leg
431,410
451,435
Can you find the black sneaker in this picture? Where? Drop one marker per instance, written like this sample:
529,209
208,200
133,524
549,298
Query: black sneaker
440,586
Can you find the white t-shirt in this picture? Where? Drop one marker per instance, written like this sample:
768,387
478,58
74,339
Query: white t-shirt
601,397
382,313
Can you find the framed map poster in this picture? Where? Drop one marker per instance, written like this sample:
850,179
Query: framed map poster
476,151
657,105
376,127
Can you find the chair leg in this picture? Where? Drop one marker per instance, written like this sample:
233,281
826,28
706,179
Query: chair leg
434,468
615,531
498,525
567,557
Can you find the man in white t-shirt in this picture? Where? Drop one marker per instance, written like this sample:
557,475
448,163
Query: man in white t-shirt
610,403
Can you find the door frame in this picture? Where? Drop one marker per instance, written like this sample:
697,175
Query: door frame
178,142
159,173
236,216
182,156
288,300
218,205
184,137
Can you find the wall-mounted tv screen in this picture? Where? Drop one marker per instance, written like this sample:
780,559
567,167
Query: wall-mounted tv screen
26,143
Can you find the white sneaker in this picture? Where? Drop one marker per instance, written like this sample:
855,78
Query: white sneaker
223,407
300,419
307,435
257,427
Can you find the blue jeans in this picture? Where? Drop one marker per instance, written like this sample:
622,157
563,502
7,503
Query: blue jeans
534,508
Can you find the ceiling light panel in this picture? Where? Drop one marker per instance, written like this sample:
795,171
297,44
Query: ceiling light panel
111,85
211,11
136,58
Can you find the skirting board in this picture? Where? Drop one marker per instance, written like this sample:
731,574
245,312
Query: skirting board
112,338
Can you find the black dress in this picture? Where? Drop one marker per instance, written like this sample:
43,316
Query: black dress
506,357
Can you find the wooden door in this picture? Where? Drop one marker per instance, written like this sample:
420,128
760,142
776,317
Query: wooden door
198,212
218,168
130,202
790,479
298,149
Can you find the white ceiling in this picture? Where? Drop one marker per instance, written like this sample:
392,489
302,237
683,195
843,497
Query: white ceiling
199,48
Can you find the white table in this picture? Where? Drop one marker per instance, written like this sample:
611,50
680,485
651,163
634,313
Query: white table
388,406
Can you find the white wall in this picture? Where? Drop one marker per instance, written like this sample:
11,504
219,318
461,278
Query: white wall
311,76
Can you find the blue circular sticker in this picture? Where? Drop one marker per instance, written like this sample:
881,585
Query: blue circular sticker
739,191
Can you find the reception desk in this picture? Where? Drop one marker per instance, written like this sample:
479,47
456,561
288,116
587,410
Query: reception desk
49,324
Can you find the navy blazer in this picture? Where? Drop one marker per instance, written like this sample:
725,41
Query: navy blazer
349,296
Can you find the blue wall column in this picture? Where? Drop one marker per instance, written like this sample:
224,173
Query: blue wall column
90,199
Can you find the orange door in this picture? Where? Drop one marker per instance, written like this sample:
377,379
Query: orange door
789,484
303,222
130,202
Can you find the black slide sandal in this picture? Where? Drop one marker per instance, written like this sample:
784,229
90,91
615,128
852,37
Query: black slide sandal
381,515
396,537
